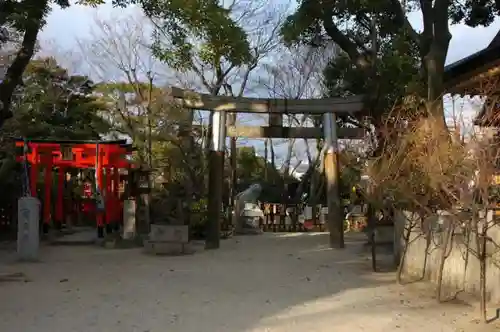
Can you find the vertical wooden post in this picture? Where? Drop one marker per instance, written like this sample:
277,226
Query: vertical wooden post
275,120
335,218
116,198
99,177
215,178
234,163
47,197
59,215
34,171
108,205
266,175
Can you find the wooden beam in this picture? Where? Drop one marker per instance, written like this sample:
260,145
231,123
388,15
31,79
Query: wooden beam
288,132
193,100
275,121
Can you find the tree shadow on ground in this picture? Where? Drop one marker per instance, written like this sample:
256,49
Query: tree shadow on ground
251,282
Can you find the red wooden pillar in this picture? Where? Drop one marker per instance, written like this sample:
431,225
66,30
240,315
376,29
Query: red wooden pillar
47,203
100,182
60,196
107,198
116,194
34,169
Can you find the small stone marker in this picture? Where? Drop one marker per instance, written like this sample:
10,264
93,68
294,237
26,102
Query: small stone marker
129,222
28,238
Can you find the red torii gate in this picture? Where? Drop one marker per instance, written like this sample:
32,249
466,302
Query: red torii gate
107,156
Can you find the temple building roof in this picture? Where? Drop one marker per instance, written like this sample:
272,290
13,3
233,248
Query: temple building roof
478,75
469,75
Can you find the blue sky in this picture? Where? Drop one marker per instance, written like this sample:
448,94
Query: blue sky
65,26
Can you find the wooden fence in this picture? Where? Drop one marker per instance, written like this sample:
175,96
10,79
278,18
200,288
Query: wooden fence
291,218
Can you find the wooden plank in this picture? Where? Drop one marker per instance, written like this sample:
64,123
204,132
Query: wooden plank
275,121
288,132
198,101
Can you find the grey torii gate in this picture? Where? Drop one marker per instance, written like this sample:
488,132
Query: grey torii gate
276,108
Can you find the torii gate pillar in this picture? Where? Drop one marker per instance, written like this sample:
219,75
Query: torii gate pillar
335,218
215,180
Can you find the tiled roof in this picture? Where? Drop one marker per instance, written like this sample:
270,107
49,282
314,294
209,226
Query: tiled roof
474,61
496,41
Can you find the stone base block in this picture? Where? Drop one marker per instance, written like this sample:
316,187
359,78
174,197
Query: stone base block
169,233
248,231
168,248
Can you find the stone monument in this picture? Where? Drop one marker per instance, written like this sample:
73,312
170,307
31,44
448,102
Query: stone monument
28,232
247,212
129,226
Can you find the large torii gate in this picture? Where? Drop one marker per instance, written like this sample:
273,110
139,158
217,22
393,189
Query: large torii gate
276,108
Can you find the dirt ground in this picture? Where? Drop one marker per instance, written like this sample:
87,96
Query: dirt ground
274,282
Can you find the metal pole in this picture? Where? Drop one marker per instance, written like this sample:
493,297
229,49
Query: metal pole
335,218
216,172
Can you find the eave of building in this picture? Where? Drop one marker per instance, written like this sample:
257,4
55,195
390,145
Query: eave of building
478,75
482,82
475,74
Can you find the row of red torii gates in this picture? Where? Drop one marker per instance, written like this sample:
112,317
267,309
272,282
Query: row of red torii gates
107,158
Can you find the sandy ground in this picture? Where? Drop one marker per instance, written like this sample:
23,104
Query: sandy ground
257,283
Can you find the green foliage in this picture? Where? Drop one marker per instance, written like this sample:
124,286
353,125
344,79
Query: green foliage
53,104
252,168
395,74
18,14
147,116
198,219
399,63
306,24
180,24
350,176
474,13
23,20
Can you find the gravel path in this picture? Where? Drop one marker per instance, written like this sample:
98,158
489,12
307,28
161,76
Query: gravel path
257,283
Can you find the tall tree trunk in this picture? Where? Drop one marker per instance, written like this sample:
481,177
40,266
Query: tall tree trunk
13,77
434,44
188,145
482,256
